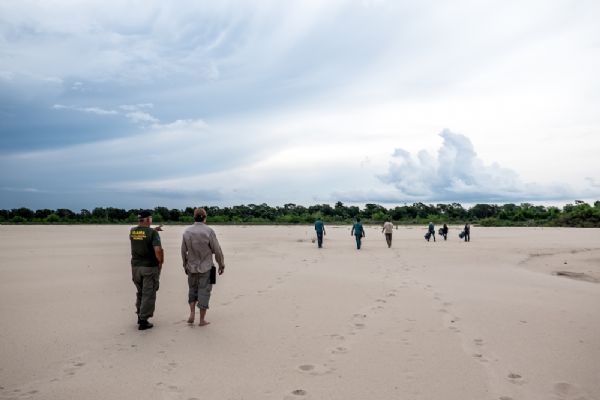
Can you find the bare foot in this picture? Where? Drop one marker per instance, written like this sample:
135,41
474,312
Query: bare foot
203,323
190,320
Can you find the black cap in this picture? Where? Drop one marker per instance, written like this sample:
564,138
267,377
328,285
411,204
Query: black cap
144,214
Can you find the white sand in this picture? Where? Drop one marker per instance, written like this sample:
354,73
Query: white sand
448,320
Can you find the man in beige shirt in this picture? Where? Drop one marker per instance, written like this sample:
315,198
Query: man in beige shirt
388,228
197,248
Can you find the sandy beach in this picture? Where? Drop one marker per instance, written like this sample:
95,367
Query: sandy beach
511,315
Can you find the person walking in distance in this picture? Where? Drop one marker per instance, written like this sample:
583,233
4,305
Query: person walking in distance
387,229
444,231
147,257
320,229
359,232
198,245
467,232
431,231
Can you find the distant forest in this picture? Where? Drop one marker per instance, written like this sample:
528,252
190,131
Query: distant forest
579,214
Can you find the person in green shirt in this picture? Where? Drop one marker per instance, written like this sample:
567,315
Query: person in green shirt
359,232
320,229
147,257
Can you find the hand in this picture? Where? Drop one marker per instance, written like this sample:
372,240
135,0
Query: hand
221,270
158,228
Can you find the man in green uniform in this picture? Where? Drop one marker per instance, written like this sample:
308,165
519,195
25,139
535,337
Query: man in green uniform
147,257
359,232
320,229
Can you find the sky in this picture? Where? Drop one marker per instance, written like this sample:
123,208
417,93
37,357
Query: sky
138,104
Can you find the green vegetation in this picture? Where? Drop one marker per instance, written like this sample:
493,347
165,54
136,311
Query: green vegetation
580,214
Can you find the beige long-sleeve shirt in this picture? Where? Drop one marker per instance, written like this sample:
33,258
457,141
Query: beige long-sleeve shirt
197,248
388,227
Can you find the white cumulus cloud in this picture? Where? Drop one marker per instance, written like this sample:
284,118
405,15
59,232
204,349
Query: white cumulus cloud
456,172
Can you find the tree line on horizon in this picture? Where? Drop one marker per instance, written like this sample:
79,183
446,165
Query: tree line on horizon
579,214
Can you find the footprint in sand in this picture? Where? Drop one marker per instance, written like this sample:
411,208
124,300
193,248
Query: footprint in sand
566,391
339,350
515,378
314,369
299,392
478,342
70,371
171,391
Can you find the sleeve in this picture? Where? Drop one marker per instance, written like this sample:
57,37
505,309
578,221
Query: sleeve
183,251
216,249
155,239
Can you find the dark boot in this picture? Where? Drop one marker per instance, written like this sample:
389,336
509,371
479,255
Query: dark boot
144,324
